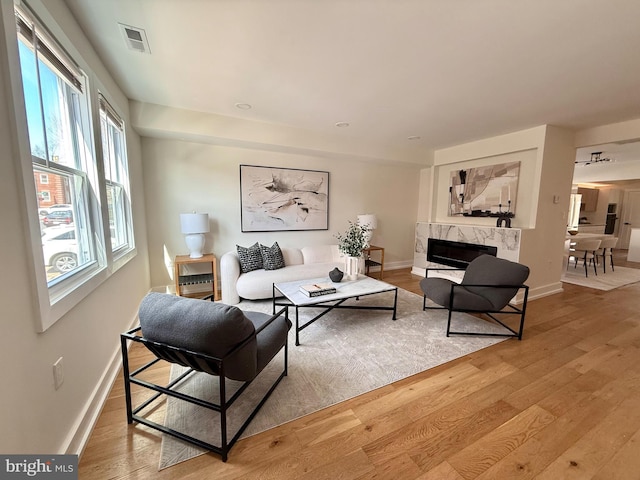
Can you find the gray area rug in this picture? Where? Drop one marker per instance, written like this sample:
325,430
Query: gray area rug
344,354
603,281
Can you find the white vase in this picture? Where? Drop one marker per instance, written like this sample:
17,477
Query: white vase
351,267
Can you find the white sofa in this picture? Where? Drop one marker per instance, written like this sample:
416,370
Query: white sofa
300,263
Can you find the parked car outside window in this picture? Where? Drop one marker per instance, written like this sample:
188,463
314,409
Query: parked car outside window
58,217
60,248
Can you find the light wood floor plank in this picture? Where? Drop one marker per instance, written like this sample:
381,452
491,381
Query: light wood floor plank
542,449
598,446
493,447
440,446
625,464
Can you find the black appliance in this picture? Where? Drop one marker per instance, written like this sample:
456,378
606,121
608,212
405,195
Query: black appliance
612,218
456,254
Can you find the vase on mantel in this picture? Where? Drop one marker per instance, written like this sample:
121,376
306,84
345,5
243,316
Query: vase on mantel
351,267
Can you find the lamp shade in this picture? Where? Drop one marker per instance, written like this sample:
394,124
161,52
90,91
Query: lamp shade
194,223
368,219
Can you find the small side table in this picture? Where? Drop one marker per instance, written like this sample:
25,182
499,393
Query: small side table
198,278
368,262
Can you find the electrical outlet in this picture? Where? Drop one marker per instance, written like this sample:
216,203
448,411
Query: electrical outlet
58,373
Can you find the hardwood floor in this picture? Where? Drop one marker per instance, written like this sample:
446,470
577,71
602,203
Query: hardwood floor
564,403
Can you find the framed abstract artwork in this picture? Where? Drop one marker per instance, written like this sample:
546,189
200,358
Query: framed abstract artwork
489,191
283,199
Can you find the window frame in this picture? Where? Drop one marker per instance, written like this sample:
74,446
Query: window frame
53,300
112,117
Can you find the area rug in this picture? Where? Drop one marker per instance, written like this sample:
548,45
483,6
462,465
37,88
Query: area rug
603,281
344,354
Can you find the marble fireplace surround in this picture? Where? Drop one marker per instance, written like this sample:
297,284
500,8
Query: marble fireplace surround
506,240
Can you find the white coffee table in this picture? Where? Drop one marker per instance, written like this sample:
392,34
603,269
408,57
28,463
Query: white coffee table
361,287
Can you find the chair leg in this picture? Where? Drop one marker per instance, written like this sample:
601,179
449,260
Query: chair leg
584,262
127,382
449,323
223,417
593,259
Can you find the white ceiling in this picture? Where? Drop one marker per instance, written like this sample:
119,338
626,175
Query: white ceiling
448,71
611,153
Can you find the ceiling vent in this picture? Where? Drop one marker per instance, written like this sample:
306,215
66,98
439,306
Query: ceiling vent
135,38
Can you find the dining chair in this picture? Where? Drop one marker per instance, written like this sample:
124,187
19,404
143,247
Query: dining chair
585,249
606,250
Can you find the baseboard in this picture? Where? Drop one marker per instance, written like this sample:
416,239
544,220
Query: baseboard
545,290
421,272
395,265
78,437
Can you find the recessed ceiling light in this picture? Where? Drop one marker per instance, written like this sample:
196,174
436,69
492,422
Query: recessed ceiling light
414,137
243,106
342,124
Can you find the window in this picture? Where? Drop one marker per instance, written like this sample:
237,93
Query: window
116,174
67,158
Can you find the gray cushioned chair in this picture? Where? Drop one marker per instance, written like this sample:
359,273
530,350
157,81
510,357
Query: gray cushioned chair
488,285
213,338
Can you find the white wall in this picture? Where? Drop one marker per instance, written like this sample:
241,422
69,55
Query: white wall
36,418
543,247
185,176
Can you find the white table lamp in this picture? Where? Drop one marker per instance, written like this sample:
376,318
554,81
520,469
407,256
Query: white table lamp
194,226
371,222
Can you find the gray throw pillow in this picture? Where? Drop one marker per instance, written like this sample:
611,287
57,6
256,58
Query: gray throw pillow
272,258
250,257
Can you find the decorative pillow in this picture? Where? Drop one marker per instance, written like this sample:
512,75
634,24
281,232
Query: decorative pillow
272,258
250,257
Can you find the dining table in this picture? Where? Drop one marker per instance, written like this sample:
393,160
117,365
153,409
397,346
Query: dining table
578,236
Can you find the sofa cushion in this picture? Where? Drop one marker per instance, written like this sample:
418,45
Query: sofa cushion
321,254
203,327
259,284
292,256
272,258
250,258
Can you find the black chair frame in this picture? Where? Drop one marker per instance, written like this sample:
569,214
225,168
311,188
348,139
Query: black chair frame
510,309
194,360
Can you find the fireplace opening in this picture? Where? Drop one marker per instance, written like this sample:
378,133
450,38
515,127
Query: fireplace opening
456,254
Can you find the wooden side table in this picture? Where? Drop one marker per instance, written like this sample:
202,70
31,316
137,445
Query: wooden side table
368,262
197,278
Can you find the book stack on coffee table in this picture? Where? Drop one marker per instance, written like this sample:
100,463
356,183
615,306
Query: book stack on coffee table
317,289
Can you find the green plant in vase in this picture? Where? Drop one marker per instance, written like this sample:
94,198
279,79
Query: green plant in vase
351,243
